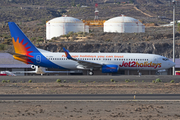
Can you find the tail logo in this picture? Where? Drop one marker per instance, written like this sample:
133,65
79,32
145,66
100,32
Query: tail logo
66,54
22,49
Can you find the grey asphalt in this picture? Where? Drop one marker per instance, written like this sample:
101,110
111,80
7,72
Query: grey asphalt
87,97
85,78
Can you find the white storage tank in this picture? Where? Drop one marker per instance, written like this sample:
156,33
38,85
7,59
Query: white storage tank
63,25
123,24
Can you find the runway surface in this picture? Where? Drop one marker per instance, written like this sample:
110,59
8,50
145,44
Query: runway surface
90,97
85,78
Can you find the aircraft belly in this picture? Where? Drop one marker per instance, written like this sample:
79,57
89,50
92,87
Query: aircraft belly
128,68
68,65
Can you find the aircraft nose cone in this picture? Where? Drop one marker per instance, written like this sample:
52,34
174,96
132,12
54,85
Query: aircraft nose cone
173,64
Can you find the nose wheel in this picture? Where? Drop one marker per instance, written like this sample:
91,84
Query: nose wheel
91,73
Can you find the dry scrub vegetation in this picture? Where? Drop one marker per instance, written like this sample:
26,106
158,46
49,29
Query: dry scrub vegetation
91,88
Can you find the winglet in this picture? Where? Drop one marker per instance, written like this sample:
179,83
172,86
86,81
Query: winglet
67,54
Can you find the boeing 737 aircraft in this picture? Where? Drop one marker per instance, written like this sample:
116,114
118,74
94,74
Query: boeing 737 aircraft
26,52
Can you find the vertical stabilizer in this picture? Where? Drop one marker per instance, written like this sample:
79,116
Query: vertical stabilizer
22,45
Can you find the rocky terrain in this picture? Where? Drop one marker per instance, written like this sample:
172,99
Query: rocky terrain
164,49
78,110
157,40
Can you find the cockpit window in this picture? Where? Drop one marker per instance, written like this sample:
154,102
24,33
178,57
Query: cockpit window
165,59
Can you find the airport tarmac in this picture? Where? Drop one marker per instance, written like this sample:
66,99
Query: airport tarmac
97,78
91,97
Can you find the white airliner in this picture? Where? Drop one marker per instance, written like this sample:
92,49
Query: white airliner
26,52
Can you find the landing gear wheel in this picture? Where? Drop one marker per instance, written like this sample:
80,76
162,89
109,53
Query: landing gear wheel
91,73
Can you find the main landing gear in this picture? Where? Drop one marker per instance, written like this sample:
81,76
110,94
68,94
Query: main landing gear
139,73
91,71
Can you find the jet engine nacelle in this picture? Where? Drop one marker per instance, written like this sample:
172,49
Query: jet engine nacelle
33,67
110,68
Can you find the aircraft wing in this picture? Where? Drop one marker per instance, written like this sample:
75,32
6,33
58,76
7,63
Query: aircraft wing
82,63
